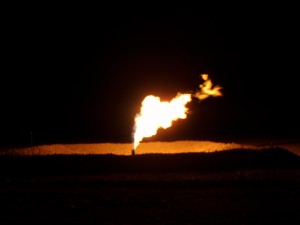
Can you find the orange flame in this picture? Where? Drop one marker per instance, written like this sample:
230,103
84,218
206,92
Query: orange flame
156,114
207,89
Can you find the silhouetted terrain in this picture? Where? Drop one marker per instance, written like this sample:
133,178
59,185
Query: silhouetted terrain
228,187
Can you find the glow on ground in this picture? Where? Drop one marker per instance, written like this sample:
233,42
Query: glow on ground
125,148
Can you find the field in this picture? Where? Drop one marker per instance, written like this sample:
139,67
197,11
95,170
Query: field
125,148
236,185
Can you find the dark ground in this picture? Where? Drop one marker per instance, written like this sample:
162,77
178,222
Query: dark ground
232,187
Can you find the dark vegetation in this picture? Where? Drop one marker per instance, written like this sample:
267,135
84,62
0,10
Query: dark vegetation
229,187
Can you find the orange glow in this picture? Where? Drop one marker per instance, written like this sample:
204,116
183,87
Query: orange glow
124,148
156,114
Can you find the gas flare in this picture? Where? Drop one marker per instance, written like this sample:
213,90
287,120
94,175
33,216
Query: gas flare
156,114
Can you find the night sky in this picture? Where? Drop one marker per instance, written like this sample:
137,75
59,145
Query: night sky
79,75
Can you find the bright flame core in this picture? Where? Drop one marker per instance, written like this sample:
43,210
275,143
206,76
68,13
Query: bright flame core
156,114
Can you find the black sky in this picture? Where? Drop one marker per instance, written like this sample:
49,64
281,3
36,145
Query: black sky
73,75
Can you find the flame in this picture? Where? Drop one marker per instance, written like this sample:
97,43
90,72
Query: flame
156,114
206,89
